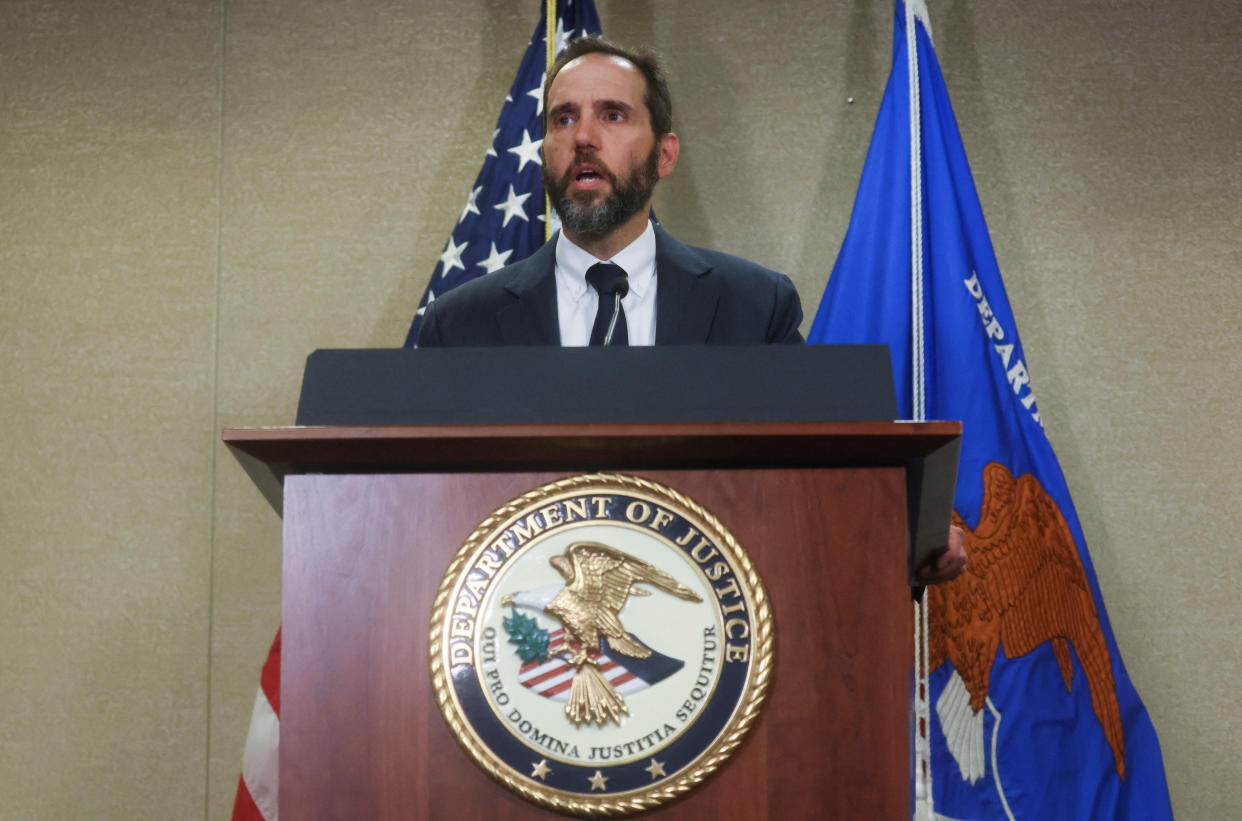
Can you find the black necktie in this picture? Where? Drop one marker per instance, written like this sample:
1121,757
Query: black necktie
608,279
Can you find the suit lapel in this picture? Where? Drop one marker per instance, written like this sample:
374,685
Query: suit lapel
685,298
531,319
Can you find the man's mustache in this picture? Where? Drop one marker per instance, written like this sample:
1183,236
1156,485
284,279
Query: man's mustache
590,158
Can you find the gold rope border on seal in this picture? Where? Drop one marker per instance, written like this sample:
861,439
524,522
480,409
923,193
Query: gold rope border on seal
713,756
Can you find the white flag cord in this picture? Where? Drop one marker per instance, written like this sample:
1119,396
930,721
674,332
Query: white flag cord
922,694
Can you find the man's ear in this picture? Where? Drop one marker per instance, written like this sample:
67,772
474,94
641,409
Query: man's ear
670,148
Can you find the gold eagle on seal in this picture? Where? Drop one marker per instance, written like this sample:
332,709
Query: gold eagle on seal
598,582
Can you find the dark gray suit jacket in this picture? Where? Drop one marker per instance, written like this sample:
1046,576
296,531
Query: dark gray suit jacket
702,297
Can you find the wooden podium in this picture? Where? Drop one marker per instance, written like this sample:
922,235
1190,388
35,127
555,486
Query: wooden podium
828,511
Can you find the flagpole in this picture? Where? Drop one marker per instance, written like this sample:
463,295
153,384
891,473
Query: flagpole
916,219
549,38
922,696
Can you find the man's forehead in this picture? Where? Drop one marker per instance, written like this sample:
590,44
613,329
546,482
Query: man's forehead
601,58
600,69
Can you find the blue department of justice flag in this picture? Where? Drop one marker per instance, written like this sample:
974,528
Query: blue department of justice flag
1032,715
502,220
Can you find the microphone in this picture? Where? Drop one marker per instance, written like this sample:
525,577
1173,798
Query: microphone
620,287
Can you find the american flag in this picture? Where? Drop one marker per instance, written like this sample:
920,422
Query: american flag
502,222
503,218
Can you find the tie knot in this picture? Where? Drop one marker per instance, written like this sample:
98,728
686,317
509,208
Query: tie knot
608,278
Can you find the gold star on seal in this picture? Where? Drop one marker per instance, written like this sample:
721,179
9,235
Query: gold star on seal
656,768
540,770
597,781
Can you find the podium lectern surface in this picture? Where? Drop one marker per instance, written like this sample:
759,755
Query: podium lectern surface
668,383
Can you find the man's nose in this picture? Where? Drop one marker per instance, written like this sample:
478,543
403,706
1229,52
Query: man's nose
586,134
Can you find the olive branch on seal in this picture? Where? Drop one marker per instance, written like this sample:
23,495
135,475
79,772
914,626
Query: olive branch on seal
530,638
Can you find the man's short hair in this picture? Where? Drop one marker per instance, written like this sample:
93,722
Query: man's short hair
657,98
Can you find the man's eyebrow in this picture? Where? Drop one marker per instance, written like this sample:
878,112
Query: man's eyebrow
561,107
621,104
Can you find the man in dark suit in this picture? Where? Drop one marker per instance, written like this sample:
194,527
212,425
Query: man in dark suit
704,297
608,139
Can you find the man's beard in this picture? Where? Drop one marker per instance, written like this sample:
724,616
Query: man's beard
625,200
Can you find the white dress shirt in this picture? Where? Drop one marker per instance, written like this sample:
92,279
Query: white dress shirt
577,301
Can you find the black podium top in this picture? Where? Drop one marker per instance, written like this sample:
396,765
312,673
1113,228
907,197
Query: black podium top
551,385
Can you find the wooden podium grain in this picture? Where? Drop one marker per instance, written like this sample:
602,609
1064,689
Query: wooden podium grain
372,517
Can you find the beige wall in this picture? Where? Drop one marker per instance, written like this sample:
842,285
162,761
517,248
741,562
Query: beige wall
194,195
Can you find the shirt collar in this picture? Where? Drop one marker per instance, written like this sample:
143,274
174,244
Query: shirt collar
637,260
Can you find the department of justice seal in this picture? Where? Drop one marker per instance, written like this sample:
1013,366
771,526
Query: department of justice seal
601,645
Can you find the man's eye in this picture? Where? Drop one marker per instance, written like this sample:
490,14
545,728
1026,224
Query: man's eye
614,116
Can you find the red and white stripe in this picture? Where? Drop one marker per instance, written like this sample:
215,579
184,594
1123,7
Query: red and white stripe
553,678
257,788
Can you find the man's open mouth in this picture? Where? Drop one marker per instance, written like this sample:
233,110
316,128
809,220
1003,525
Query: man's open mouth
587,174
